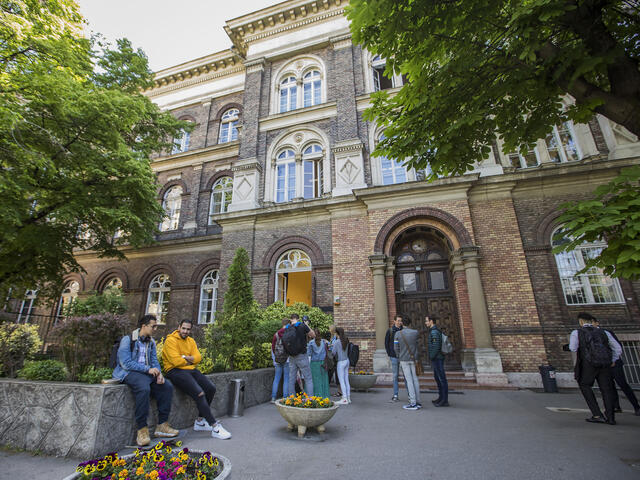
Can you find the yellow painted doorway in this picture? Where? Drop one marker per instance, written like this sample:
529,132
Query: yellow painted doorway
298,288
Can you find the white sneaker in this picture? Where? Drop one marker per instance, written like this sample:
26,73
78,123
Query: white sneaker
218,431
342,401
201,425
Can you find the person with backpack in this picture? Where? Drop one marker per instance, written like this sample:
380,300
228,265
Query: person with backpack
617,372
294,340
340,350
388,346
180,357
597,351
318,352
280,358
436,356
139,369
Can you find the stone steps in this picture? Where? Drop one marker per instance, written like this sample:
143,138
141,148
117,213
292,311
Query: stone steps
457,380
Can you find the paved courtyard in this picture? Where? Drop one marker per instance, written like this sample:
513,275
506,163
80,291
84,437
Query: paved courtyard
483,435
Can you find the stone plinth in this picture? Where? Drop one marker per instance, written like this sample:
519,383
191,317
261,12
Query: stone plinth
86,421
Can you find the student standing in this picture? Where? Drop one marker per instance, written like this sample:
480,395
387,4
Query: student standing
317,351
339,349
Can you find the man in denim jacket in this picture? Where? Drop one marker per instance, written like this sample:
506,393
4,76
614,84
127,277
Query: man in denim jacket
138,367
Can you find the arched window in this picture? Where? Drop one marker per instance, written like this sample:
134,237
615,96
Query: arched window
285,176
293,278
114,284
208,297
181,142
171,205
26,307
158,298
229,126
288,94
312,88
69,295
312,171
591,287
392,170
221,194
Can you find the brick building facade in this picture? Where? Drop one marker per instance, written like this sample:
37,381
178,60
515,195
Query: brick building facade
280,115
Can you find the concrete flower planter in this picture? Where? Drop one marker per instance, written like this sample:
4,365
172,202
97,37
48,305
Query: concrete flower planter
304,418
362,382
225,474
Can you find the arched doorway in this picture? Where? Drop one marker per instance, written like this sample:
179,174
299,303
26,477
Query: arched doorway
423,285
293,278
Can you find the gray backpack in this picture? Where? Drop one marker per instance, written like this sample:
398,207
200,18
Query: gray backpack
446,347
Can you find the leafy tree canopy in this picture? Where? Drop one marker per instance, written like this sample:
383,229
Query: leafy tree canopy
76,135
496,66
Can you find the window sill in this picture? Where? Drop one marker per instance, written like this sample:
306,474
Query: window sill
298,116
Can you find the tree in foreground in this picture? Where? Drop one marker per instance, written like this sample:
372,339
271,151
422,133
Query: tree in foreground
76,135
481,68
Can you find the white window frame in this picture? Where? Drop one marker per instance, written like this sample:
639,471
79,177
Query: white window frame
208,297
289,84
28,302
181,143
396,168
291,261
563,147
229,126
68,296
312,157
377,66
286,164
568,263
312,82
171,204
223,188
160,288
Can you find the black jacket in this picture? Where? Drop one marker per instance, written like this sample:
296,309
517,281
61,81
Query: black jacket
388,341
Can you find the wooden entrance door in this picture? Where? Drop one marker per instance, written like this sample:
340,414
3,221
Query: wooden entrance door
423,286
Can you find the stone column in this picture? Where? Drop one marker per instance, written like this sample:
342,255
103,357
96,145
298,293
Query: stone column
487,359
378,265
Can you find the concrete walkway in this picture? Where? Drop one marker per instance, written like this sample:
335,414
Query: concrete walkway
483,435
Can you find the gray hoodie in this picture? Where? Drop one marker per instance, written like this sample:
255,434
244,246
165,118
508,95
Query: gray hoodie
410,337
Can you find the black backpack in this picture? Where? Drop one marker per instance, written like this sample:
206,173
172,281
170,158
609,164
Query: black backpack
353,353
595,347
279,352
113,357
293,342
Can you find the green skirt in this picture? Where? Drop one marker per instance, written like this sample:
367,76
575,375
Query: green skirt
320,380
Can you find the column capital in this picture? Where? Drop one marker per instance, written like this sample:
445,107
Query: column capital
391,265
378,263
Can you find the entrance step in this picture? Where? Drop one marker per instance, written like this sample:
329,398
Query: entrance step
457,380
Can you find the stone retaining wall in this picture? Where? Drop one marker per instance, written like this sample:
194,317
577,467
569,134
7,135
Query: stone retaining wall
84,421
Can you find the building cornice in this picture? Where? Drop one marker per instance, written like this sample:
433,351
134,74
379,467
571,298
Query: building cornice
223,151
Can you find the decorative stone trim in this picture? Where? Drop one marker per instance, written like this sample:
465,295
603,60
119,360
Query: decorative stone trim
256,65
288,243
347,146
340,42
108,274
175,83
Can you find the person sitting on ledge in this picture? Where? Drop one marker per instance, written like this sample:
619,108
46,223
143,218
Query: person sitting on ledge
139,369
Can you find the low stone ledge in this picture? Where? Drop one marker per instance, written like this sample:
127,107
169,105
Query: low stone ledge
84,421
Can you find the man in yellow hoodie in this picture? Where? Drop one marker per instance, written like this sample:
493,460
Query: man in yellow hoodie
180,356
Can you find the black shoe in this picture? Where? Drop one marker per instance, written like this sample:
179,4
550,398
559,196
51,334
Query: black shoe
437,400
610,421
595,420
637,412
441,404
617,410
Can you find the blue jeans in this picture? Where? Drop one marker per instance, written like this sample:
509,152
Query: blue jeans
441,379
281,368
143,386
395,368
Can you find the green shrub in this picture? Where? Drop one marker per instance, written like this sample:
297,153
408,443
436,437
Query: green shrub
207,363
220,364
243,359
88,340
17,343
52,370
111,301
95,375
274,313
262,355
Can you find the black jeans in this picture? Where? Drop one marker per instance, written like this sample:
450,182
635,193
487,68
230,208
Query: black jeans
618,376
603,376
194,383
143,385
441,379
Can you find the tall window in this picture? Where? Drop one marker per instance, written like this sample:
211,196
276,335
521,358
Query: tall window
221,194
392,170
158,298
561,144
293,278
312,86
380,82
518,160
288,94
229,126
26,307
593,286
181,142
312,171
69,295
114,284
285,176
171,205
208,297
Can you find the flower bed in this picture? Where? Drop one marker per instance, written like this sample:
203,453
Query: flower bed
163,462
303,411
302,400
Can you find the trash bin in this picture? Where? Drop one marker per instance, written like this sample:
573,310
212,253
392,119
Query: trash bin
236,400
548,374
